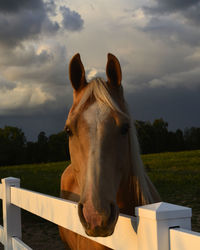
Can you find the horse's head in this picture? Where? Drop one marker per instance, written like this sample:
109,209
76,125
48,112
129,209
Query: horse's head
98,128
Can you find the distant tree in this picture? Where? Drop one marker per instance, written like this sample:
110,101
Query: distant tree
146,136
175,141
12,145
31,152
42,148
161,132
180,143
192,138
58,147
153,138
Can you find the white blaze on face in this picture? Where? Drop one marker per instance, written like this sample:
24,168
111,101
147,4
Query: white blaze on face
94,116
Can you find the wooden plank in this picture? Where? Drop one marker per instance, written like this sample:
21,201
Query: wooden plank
1,191
65,214
182,239
17,244
1,235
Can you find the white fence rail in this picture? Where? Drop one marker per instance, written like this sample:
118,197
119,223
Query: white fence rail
184,239
151,229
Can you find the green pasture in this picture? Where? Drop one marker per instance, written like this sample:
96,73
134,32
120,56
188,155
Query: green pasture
44,177
177,178
175,175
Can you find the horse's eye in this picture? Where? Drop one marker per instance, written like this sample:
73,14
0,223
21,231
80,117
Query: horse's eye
68,131
124,129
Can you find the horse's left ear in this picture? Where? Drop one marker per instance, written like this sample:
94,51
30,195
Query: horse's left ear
113,70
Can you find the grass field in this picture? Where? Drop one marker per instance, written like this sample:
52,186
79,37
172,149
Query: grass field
176,176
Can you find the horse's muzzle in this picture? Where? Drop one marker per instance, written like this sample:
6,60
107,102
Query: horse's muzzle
98,224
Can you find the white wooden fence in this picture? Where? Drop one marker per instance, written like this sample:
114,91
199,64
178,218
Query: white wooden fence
159,226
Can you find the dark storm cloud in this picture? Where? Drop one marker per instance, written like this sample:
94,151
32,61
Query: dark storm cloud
172,30
50,7
72,21
27,19
181,29
17,5
166,6
189,9
15,28
24,57
48,68
33,124
49,27
178,106
193,15
23,20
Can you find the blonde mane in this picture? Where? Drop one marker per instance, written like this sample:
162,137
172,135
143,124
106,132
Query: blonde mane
139,182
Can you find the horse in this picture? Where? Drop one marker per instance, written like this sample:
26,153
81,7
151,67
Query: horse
106,175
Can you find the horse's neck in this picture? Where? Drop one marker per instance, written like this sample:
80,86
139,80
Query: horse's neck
69,188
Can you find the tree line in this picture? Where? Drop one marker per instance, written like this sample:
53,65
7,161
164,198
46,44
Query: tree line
15,149
153,138
156,138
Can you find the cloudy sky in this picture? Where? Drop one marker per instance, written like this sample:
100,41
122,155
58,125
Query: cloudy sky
156,41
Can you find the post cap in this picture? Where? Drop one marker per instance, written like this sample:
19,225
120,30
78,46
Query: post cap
163,211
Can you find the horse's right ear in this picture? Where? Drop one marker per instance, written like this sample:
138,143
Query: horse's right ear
77,73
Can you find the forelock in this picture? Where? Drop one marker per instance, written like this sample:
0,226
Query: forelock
99,89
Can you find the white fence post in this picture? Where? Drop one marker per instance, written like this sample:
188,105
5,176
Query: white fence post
155,221
11,213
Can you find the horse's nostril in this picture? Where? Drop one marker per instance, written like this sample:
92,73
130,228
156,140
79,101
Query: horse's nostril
113,213
80,210
81,216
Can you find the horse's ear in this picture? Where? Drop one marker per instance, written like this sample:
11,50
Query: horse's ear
113,70
77,73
